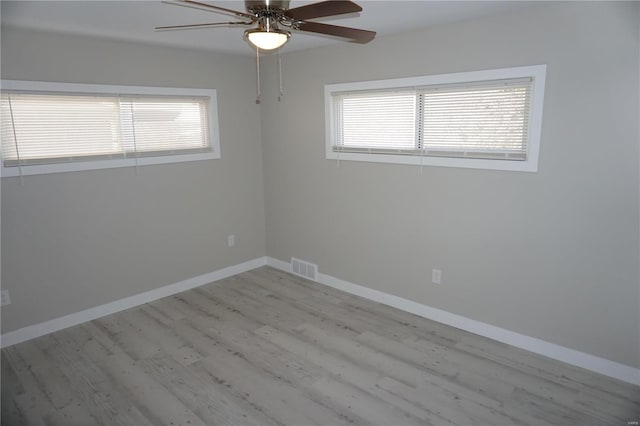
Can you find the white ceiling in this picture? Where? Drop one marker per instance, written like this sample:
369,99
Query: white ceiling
135,20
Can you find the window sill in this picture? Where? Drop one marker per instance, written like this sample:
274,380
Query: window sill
469,163
42,169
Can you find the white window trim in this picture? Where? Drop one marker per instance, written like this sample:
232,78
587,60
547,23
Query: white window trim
538,72
45,86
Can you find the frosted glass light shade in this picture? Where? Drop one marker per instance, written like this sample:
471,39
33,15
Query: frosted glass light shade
267,40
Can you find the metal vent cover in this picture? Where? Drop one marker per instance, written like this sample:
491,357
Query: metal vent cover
304,269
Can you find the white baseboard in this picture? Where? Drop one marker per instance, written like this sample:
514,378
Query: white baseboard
37,330
532,344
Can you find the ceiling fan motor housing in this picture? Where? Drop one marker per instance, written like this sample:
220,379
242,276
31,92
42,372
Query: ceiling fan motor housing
256,6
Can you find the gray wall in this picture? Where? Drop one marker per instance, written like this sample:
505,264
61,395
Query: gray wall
552,255
72,241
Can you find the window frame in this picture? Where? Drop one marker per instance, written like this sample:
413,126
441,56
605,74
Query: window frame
530,164
114,90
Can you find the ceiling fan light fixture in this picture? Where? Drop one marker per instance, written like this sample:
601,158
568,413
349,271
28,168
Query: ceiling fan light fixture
267,39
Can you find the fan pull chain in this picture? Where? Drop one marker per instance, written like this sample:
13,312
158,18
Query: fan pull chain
257,75
280,91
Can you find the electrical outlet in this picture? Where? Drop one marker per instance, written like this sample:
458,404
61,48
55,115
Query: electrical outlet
5,299
436,276
231,240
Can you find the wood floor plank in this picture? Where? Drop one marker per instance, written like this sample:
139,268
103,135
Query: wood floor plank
444,380
11,388
167,309
46,374
420,373
364,370
31,403
287,314
373,409
11,414
269,348
258,351
163,337
446,407
126,337
498,374
557,372
280,400
213,402
262,355
152,399
104,398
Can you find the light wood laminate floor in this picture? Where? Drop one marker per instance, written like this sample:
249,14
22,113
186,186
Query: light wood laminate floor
268,348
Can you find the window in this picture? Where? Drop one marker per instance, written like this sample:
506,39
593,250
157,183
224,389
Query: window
486,119
56,127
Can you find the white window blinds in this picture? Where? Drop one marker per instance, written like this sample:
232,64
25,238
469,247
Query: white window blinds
378,121
44,128
488,120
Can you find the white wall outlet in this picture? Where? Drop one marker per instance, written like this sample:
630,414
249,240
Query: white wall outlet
5,299
436,276
231,240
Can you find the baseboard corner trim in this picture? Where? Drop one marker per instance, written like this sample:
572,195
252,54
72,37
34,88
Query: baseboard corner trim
36,330
574,357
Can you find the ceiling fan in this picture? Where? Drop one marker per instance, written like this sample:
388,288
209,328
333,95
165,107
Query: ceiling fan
272,19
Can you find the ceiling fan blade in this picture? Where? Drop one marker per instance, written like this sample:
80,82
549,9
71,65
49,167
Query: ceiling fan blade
209,7
197,26
353,34
319,10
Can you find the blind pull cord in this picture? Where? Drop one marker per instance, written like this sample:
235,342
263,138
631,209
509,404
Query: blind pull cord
419,131
15,141
121,126
257,75
135,147
338,135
